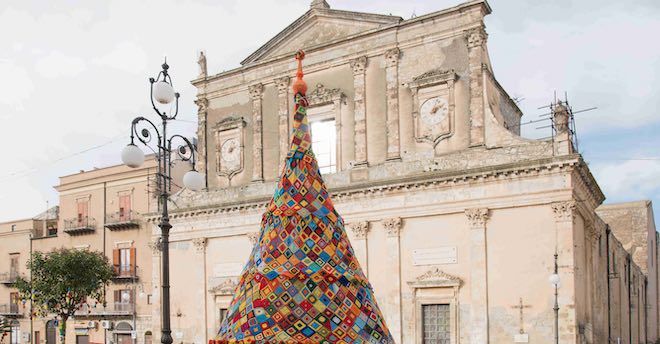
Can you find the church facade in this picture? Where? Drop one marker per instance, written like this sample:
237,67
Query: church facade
455,218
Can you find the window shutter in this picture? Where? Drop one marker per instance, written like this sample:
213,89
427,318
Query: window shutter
132,262
115,260
117,296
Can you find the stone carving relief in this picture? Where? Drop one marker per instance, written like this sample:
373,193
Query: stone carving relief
435,278
433,105
200,244
253,237
322,95
360,229
229,135
227,287
155,246
564,211
477,217
476,37
201,61
392,226
359,65
392,57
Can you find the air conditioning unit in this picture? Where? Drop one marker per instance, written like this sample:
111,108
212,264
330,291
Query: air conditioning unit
106,324
91,324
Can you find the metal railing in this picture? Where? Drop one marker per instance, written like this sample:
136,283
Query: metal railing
8,309
8,277
125,272
113,308
122,219
79,225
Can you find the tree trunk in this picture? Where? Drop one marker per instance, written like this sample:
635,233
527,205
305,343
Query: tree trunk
62,329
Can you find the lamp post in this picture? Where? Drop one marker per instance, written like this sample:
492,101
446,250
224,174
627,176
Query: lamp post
163,93
555,280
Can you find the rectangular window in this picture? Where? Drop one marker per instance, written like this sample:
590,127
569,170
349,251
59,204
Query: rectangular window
436,324
324,144
222,315
83,208
13,302
15,333
13,266
124,261
124,207
13,228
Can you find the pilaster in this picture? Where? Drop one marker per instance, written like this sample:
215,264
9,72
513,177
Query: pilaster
360,231
202,111
392,78
564,213
477,219
393,315
282,85
199,288
256,93
476,42
359,66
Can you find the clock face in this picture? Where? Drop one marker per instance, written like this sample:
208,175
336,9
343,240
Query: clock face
434,110
231,152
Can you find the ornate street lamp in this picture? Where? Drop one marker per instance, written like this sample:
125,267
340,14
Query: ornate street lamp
163,93
555,280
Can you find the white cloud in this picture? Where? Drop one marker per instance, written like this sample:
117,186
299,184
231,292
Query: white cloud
16,86
628,180
56,65
126,56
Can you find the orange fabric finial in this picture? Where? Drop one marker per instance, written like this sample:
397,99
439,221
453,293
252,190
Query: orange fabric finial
299,86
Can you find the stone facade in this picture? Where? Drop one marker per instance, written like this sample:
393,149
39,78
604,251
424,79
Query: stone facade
444,202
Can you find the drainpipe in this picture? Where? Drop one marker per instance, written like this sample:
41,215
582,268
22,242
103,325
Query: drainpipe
105,330
646,312
32,291
607,275
629,272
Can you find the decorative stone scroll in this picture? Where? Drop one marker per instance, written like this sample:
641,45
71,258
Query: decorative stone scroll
200,244
253,237
229,149
435,278
477,217
433,105
564,211
155,246
227,287
256,93
360,229
392,226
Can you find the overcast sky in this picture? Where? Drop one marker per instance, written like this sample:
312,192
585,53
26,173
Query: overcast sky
74,73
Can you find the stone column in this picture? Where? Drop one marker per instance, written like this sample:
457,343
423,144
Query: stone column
359,66
155,288
283,111
256,93
476,42
564,213
360,230
202,108
200,294
392,77
478,275
393,300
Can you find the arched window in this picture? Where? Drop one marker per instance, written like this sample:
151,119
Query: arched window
51,332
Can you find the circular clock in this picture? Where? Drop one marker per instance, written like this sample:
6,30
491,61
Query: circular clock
434,110
231,152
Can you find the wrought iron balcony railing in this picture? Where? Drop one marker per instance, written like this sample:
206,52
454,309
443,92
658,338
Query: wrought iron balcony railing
112,309
126,272
8,277
80,225
10,310
122,220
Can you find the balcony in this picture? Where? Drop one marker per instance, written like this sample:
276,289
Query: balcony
125,273
8,277
122,220
10,310
80,225
112,309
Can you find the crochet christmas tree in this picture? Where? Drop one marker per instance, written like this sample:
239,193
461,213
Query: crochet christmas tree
302,283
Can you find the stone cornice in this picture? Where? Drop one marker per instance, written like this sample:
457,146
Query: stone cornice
421,181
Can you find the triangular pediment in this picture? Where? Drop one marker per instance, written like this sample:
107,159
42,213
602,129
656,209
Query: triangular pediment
317,27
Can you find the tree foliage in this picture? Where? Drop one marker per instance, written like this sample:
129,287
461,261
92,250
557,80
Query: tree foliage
64,280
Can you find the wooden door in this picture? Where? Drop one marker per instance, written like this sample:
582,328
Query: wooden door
51,332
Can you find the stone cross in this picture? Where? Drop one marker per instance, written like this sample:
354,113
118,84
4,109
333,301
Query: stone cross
520,306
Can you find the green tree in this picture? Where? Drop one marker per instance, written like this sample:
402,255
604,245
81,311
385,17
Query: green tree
63,281
5,328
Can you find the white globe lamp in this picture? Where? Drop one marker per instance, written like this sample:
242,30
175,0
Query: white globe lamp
132,156
554,280
193,180
163,92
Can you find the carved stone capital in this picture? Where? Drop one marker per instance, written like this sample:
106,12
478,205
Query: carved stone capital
392,226
359,65
202,105
256,91
392,57
200,244
155,246
360,229
476,37
477,217
253,237
564,211
282,84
